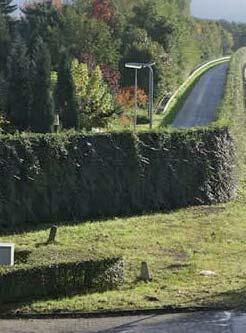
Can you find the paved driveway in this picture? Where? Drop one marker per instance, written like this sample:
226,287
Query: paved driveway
210,322
200,106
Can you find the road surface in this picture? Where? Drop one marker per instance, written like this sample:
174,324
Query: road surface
201,105
210,322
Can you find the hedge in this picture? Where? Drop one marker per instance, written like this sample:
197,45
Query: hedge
58,178
60,280
231,112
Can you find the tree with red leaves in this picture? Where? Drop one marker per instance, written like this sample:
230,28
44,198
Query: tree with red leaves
112,77
126,97
103,10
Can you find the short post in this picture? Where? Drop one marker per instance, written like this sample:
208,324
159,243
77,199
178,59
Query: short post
7,254
52,235
145,273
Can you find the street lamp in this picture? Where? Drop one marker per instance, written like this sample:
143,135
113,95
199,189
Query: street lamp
136,66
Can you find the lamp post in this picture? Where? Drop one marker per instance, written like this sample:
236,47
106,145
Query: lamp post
151,93
136,66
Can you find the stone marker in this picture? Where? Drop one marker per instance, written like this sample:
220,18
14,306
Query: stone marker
52,235
208,273
7,254
145,273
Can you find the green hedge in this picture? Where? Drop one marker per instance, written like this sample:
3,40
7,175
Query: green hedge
56,178
58,280
231,112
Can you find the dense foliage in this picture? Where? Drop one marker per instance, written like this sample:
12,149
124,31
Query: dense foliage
101,35
59,279
232,108
238,32
69,177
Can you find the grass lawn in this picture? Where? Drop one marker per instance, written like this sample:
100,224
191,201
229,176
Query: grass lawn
115,125
177,246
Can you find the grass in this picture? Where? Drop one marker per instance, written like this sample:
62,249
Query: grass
177,246
142,121
177,103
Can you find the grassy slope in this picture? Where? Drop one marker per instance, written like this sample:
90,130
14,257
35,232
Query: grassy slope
177,246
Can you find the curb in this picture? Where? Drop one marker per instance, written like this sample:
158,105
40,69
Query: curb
108,314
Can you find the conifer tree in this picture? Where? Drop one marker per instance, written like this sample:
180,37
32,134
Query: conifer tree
19,90
66,105
42,113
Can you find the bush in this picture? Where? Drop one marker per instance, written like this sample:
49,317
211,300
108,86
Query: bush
231,112
75,177
61,279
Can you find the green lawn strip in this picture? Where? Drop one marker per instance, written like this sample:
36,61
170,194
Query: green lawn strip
177,246
142,121
178,102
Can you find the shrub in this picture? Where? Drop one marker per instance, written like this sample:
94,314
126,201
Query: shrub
60,279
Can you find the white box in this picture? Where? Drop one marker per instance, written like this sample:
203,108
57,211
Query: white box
7,254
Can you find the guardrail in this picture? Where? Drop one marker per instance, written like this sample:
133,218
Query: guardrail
196,73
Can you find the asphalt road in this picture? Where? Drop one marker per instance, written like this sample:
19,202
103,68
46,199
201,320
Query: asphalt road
211,322
201,105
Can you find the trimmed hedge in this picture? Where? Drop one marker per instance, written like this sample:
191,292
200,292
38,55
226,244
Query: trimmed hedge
60,280
231,112
75,177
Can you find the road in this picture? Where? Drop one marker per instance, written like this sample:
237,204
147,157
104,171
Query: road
208,322
201,105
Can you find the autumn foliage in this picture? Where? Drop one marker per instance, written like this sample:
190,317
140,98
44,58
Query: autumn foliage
102,10
111,76
126,97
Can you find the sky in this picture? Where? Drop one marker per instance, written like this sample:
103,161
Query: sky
232,10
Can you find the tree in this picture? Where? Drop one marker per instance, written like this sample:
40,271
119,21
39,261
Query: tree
4,41
94,100
97,104
111,76
158,28
126,97
80,75
42,113
44,20
103,10
87,35
65,98
138,45
19,88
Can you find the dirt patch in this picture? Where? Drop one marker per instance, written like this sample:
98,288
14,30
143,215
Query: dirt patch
177,266
207,210
175,253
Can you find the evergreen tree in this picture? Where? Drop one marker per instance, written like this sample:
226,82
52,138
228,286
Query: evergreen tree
42,113
65,98
19,96
4,41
